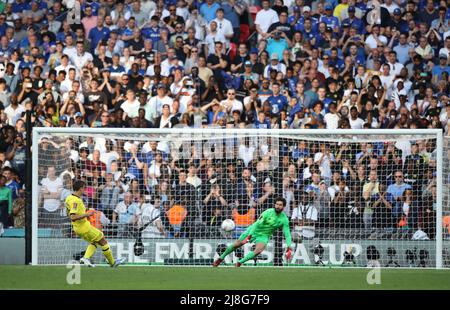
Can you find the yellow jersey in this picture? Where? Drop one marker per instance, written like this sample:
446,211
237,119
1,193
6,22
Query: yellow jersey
75,205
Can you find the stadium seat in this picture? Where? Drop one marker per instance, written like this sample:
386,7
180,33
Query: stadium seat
254,10
232,51
245,33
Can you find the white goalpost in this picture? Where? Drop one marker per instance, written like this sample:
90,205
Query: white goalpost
354,197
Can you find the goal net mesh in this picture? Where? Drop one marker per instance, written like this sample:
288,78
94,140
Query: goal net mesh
352,200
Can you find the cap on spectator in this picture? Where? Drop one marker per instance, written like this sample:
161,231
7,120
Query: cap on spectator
78,114
161,85
26,52
248,63
254,50
442,56
328,6
297,8
306,9
274,56
345,24
397,11
351,9
48,81
63,118
106,69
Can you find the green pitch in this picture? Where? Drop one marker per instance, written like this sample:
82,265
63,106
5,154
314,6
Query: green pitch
29,277
166,278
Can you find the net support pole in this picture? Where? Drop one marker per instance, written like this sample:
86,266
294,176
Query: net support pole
28,189
35,199
439,197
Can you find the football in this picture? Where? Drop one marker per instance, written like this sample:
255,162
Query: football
228,225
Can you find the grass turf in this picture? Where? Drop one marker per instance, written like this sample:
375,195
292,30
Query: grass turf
167,278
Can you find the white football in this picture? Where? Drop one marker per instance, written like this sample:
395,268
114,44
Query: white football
228,225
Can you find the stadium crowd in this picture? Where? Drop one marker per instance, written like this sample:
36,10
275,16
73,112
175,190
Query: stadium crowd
297,64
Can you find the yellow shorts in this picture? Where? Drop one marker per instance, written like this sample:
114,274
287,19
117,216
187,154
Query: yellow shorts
93,235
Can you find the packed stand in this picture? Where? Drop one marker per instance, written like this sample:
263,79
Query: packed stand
229,64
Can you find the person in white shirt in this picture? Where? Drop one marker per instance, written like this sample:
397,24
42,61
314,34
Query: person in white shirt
332,117
375,39
446,49
304,217
323,159
224,26
149,217
355,121
387,80
192,177
246,152
264,19
170,62
81,58
213,36
390,5
231,104
69,49
65,65
131,105
394,65
153,108
51,188
14,111
66,85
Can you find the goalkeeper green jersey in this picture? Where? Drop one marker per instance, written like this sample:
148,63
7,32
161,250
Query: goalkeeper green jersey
268,222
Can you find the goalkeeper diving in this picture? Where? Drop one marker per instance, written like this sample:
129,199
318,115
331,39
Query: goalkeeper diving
260,233
80,224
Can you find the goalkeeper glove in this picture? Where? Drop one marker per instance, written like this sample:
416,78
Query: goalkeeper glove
247,239
288,254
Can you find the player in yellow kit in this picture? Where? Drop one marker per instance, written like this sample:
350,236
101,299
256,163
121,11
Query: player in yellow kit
79,217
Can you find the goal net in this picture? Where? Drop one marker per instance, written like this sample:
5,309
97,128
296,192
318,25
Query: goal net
354,198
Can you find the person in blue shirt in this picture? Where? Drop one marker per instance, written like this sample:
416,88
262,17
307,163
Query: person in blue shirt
330,20
19,6
309,32
135,162
307,15
335,61
11,182
153,32
397,188
353,21
262,122
93,4
98,33
208,10
230,13
26,62
442,67
278,102
277,44
300,151
398,22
